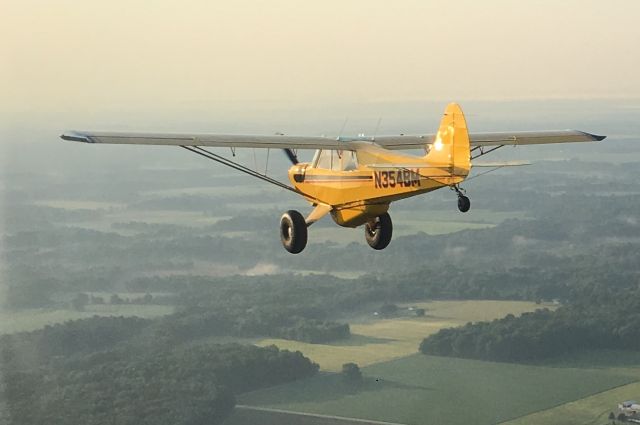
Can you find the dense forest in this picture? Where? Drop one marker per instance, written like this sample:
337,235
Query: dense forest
606,318
116,370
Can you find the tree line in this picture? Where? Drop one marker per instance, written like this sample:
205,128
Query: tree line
600,319
114,370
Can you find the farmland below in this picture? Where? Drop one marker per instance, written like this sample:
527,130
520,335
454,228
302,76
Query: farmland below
377,340
132,269
424,389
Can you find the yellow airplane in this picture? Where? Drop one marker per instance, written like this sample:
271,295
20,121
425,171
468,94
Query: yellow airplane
356,179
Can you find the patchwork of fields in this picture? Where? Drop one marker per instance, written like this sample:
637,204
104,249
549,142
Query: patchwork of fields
423,389
594,409
401,386
375,340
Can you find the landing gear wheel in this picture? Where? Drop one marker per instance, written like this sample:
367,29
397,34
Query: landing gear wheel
378,232
293,231
463,203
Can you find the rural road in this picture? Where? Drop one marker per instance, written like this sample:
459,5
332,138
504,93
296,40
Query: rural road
301,418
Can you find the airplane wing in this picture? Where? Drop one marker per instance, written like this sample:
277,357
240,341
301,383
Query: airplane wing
494,139
213,140
319,142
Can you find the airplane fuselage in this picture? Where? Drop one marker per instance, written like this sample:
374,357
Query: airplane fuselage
357,196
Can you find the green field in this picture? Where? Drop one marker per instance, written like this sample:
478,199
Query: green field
32,319
403,387
594,409
423,389
589,410
375,340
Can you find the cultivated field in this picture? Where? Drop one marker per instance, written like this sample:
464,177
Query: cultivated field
594,409
377,340
403,387
424,389
589,410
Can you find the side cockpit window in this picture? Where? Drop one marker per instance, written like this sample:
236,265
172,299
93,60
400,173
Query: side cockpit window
324,159
336,160
346,160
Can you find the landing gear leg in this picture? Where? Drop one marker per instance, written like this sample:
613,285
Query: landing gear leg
463,202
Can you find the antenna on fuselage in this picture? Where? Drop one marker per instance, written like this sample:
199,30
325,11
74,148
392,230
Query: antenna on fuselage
344,124
375,133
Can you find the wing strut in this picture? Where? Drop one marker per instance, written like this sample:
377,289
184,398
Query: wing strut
224,161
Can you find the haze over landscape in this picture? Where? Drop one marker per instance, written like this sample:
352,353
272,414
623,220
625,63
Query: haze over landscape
143,284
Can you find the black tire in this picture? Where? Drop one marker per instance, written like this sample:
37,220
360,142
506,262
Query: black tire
463,203
293,231
378,234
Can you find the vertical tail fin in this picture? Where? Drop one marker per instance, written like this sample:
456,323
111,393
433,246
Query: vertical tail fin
451,147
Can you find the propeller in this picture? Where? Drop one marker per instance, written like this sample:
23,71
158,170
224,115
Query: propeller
291,155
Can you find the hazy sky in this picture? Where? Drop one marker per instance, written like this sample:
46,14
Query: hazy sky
73,57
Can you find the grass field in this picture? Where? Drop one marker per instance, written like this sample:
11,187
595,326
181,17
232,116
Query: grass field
592,410
403,387
423,389
595,409
377,340
32,319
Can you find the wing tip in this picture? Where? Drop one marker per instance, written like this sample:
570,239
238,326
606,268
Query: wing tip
594,137
74,136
